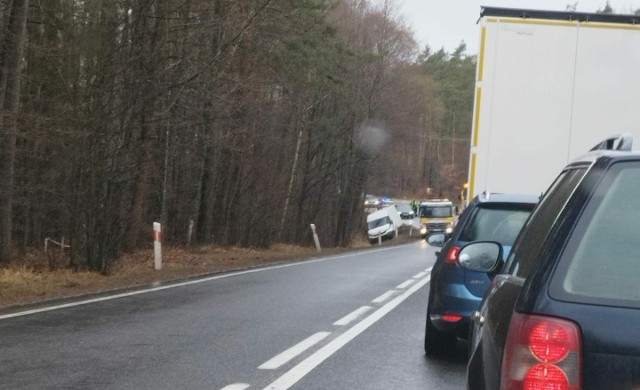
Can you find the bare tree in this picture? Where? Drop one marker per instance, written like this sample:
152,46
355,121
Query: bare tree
11,53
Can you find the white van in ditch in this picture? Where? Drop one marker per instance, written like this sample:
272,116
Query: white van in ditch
383,224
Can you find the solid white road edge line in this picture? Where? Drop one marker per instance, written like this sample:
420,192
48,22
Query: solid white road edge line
294,351
346,320
236,386
292,376
204,280
384,296
406,284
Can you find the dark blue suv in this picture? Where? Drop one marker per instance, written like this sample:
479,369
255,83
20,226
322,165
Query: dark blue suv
455,293
563,313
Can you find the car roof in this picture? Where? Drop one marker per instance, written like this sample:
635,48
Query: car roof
618,146
614,154
487,197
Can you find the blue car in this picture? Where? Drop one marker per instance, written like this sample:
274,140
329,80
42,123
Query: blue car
455,293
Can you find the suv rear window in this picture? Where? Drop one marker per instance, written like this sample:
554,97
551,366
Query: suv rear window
496,222
601,263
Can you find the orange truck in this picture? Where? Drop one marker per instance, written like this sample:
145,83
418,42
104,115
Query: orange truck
436,215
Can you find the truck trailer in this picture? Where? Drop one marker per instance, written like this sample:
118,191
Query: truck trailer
549,85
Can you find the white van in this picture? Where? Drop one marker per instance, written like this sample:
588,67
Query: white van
383,224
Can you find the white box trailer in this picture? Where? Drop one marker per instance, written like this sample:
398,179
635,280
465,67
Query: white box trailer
549,86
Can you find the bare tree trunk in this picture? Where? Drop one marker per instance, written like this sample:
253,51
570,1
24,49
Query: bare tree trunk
11,58
141,191
165,180
292,178
453,140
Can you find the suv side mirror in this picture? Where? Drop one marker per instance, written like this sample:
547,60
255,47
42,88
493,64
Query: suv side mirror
481,256
436,239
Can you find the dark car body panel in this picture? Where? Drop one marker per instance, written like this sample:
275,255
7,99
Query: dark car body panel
494,331
611,349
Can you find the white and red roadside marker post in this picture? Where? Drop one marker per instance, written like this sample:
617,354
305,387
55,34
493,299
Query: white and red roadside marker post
315,237
157,245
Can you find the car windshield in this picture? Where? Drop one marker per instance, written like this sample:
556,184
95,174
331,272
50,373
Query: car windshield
378,222
404,208
371,200
500,223
444,211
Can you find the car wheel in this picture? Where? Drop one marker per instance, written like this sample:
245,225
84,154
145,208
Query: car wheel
435,341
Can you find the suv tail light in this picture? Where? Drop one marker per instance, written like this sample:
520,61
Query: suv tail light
451,317
542,353
452,255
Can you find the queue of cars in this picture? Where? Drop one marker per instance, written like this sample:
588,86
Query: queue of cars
562,310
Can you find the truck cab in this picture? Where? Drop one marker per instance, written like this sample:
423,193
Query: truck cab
436,215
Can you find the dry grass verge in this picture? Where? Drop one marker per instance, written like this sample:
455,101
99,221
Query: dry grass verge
31,281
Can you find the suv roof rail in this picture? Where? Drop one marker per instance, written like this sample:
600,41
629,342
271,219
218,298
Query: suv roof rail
486,195
621,142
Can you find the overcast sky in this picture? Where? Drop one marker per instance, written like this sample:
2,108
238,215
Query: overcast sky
444,23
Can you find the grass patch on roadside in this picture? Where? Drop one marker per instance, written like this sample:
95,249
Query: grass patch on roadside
30,280
23,285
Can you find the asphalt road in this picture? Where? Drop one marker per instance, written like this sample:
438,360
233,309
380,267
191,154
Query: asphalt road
352,321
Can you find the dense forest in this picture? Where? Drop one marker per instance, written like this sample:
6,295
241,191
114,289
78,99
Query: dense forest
235,122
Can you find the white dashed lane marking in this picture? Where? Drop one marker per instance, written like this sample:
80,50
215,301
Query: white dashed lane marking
294,351
346,320
406,284
236,386
384,296
298,372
